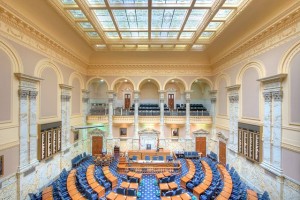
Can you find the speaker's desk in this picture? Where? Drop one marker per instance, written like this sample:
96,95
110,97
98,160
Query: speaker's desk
141,154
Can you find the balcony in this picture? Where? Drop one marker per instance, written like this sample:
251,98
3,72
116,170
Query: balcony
200,119
149,119
127,119
97,119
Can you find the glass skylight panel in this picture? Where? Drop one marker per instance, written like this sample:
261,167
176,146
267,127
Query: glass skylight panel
195,19
205,2
95,2
131,18
68,2
214,25
93,34
85,25
164,34
127,1
134,34
171,1
143,46
167,18
77,14
104,19
186,35
100,46
181,46
233,2
113,35
223,14
198,47
168,46
206,34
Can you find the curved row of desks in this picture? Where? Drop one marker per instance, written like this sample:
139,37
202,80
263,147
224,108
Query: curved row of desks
47,193
111,178
192,169
227,189
199,189
93,182
71,186
115,196
183,196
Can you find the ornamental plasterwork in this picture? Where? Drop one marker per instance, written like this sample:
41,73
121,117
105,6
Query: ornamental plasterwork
277,95
222,136
149,131
267,96
14,28
200,132
97,132
281,32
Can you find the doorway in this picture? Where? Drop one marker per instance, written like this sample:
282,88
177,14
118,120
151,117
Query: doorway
201,145
97,144
171,101
222,153
127,101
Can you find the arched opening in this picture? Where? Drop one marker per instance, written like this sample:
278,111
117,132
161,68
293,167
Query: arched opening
200,98
98,89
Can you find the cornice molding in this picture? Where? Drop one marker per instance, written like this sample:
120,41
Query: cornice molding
150,69
275,78
283,30
16,28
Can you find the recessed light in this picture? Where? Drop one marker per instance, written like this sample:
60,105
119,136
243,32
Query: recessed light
172,81
125,80
149,80
101,80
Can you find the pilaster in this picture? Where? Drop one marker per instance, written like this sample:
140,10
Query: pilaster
213,100
110,113
85,111
272,123
28,125
233,95
162,112
136,114
65,115
187,121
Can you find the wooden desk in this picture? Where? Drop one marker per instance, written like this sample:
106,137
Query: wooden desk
120,197
173,185
199,189
73,192
112,196
227,189
185,196
141,154
134,186
177,197
163,187
165,198
167,174
93,182
159,176
124,184
131,198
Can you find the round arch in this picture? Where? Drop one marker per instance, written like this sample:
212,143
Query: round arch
96,77
75,75
209,82
256,65
283,66
219,77
14,57
120,78
45,63
175,78
156,82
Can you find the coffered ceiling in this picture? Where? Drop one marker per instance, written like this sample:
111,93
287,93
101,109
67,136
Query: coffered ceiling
154,25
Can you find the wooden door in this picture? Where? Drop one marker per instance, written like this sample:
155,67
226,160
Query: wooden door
127,101
201,145
171,101
222,153
96,145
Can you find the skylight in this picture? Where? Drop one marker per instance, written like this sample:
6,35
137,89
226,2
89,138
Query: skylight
142,24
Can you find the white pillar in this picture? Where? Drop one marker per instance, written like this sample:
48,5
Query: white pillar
110,114
187,120
233,116
267,127
85,111
33,127
272,130
162,112
65,115
28,125
136,114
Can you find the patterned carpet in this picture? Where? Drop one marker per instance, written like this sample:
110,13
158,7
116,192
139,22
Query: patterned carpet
148,188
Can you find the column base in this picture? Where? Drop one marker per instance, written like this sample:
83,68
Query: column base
23,168
34,162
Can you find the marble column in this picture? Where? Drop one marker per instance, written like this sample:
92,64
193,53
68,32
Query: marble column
33,127
233,94
85,112
187,120
110,114
136,114
65,115
27,116
267,127
162,114
272,130
277,127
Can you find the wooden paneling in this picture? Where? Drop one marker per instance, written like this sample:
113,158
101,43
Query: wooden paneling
97,142
222,152
201,145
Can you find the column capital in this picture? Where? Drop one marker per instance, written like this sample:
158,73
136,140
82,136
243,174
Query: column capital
65,97
267,96
23,94
277,95
213,96
33,94
234,98
136,94
84,91
188,95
